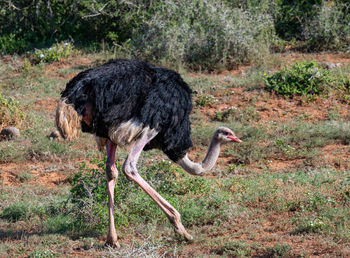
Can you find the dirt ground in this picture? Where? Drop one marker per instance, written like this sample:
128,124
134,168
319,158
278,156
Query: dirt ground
269,107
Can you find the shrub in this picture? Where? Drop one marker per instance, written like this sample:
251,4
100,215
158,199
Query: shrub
10,44
10,112
38,23
89,197
303,78
289,17
58,223
54,53
329,28
203,34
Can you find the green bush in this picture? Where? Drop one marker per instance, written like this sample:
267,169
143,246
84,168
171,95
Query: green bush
329,28
40,23
89,197
10,44
134,206
290,16
10,112
203,35
54,53
303,78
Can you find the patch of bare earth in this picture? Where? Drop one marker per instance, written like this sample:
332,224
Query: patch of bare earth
53,70
43,173
276,108
291,58
48,104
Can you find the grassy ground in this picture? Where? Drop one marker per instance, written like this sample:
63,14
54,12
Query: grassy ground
284,191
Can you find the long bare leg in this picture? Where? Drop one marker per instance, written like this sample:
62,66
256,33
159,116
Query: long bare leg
130,170
112,175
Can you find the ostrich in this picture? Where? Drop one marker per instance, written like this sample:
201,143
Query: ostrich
134,104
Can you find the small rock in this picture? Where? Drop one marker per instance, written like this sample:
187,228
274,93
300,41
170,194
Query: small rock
330,65
9,133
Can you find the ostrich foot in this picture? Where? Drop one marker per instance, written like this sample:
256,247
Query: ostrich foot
180,229
112,242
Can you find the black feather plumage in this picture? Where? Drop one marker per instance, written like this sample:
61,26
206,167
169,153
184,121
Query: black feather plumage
124,90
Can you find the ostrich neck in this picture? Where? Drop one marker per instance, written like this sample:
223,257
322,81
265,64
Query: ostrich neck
207,164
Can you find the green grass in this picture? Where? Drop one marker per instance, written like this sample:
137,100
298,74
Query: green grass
23,177
35,145
227,247
278,250
15,212
29,83
293,140
245,115
317,199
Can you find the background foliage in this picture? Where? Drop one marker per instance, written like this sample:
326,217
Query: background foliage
201,34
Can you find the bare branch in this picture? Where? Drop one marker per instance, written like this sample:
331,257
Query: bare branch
11,5
97,12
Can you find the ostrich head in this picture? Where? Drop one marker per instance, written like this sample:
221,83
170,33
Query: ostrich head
225,135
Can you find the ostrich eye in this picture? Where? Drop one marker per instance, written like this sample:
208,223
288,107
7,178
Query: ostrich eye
225,133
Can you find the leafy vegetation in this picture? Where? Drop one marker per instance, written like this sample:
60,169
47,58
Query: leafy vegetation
12,44
201,35
279,250
205,100
303,78
192,196
54,53
15,212
329,28
10,112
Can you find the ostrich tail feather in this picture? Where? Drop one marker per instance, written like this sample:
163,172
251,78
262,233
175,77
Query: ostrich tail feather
67,120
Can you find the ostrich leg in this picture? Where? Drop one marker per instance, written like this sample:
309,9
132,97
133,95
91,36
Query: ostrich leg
130,170
112,175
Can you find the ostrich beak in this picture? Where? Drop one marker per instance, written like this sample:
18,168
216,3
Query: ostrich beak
234,138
